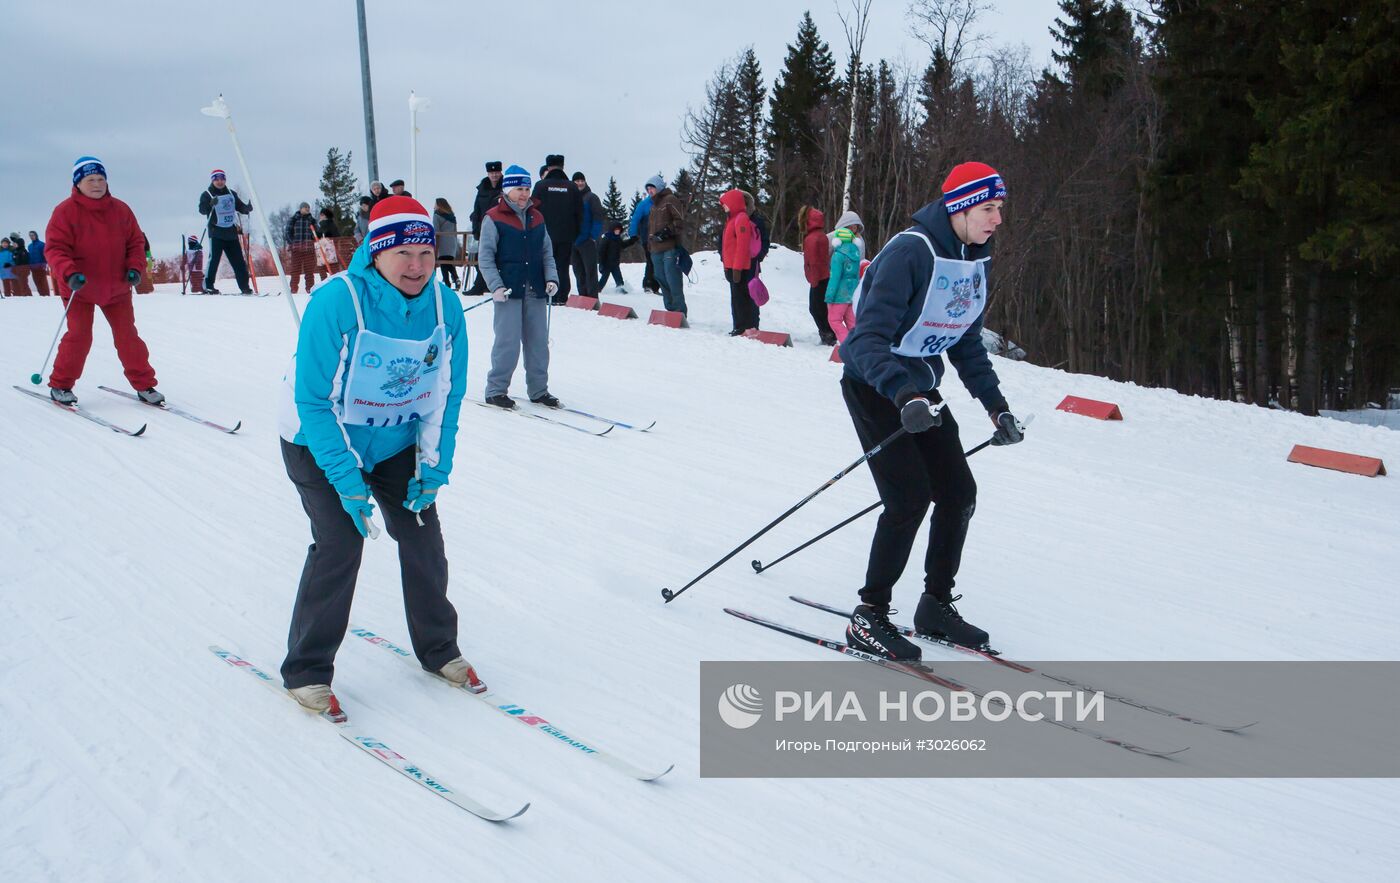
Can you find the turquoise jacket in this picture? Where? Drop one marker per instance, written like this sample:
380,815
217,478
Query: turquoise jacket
845,273
324,345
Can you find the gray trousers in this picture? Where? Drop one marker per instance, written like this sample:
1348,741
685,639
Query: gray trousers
322,611
520,323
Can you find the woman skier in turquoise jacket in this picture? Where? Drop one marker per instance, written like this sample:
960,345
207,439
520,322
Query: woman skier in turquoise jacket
371,407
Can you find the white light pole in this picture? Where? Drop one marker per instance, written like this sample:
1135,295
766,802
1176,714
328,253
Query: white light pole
220,109
415,104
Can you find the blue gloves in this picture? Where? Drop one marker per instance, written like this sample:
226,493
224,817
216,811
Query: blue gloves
359,508
422,491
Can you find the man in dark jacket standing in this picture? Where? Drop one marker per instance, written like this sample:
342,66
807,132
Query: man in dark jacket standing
301,247
223,206
488,193
585,257
562,206
924,296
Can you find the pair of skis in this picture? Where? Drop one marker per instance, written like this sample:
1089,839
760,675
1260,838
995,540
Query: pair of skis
381,751
923,672
607,423
102,421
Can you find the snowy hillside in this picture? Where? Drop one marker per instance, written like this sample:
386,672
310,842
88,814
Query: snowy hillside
132,753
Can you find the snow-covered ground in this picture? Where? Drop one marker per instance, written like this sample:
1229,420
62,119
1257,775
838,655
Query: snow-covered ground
132,753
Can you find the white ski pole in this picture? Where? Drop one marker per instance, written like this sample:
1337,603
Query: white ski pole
220,109
38,378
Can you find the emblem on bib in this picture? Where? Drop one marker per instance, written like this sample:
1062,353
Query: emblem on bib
371,360
403,376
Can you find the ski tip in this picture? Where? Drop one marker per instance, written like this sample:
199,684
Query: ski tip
138,432
654,776
237,426
515,815
1238,728
757,565
648,427
605,431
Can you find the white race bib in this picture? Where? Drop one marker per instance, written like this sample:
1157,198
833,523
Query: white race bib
956,296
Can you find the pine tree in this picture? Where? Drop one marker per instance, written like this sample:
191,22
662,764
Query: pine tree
612,202
748,147
636,201
339,189
1095,36
797,110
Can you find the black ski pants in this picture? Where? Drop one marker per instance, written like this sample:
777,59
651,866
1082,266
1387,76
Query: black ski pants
585,264
742,309
234,249
816,305
563,260
649,281
322,611
914,471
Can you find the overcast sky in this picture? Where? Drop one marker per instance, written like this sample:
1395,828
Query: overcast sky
606,84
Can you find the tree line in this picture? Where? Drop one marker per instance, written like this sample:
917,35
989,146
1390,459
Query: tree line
1202,194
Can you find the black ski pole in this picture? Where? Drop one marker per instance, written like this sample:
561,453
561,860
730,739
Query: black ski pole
671,595
759,566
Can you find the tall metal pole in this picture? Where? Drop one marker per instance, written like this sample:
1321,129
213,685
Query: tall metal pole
370,151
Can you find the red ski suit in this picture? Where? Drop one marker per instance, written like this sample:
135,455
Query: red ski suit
100,239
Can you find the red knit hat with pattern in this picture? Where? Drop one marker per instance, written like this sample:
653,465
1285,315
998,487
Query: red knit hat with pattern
970,183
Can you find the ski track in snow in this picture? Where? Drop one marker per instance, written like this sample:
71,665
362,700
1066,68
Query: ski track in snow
132,753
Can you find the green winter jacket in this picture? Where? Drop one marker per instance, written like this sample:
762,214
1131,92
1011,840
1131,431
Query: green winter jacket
845,273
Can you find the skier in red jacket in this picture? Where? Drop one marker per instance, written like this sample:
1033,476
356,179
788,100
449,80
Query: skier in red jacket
94,244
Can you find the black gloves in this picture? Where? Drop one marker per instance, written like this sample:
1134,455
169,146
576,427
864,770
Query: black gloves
132,277
1009,429
76,281
918,414
664,236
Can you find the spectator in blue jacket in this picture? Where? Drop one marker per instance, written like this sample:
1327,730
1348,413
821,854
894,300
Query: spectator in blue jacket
638,228
38,264
7,261
585,256
371,408
924,296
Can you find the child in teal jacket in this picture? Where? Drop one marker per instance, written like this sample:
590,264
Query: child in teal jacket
845,274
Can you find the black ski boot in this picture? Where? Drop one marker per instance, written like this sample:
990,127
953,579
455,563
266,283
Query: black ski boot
870,630
502,401
940,619
547,400
62,396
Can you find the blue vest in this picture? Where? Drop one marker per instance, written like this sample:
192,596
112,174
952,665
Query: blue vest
520,250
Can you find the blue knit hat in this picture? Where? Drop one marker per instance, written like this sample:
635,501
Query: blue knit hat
515,176
657,181
87,165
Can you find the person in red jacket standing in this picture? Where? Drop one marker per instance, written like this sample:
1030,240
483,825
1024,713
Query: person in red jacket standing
736,252
96,251
816,265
